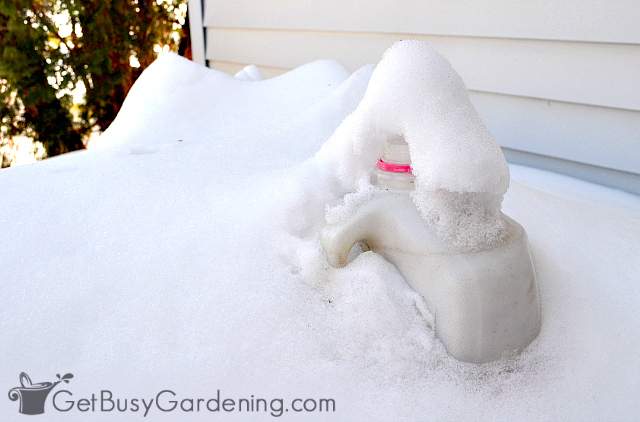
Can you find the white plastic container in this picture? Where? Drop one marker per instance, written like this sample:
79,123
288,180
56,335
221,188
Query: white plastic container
485,303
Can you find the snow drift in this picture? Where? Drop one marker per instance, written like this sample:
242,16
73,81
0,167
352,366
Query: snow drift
182,254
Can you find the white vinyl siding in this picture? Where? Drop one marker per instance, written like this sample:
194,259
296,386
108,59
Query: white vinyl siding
558,79
613,21
563,71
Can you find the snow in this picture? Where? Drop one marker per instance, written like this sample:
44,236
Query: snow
414,93
249,73
182,253
461,174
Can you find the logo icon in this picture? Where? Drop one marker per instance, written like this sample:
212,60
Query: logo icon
33,396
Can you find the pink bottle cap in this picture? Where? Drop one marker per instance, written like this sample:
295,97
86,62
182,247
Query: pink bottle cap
393,168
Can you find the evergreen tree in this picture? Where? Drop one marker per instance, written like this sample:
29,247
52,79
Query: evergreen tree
49,47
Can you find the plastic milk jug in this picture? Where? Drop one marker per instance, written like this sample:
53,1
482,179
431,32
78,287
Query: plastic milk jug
484,302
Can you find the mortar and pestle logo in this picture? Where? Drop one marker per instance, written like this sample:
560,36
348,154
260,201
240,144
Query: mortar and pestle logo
33,396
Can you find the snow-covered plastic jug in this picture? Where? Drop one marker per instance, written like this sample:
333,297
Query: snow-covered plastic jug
484,302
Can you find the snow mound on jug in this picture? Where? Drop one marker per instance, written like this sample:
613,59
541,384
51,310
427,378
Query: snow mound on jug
461,173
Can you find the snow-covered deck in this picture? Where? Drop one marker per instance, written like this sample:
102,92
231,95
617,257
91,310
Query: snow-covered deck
175,255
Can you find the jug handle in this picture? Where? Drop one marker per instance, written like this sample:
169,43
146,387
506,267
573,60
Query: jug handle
338,240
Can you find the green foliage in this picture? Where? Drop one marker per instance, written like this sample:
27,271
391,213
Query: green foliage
48,48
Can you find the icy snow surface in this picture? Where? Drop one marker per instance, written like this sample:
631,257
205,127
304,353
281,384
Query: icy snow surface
182,253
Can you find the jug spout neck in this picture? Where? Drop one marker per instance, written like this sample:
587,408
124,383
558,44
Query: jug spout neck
393,170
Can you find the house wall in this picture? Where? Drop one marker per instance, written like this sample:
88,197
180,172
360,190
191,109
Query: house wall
557,81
